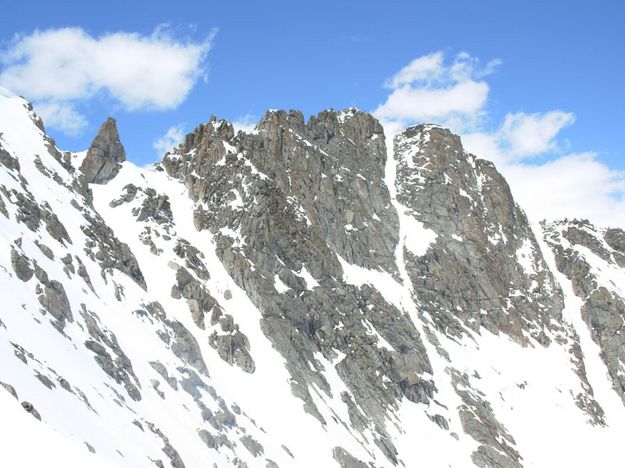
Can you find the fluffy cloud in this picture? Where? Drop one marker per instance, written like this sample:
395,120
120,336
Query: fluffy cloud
520,136
425,68
555,186
572,186
63,116
526,148
172,138
429,89
247,123
533,134
57,68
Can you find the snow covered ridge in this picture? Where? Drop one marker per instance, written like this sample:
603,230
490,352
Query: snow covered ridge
305,295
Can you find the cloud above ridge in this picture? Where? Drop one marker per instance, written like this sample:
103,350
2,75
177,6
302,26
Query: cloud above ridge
547,181
60,68
432,89
169,140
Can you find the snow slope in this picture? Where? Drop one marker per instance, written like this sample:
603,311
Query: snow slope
125,374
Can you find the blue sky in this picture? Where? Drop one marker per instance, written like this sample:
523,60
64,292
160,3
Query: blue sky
527,59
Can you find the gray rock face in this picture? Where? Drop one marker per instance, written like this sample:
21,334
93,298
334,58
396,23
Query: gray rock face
105,248
468,204
252,446
118,366
380,306
296,196
345,460
168,449
580,250
29,408
479,420
21,265
104,156
54,300
9,388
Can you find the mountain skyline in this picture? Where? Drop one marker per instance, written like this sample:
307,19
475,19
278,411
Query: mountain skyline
536,88
334,234
303,294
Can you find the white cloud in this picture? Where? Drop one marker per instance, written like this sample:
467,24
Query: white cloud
167,142
428,89
555,187
520,136
62,116
524,146
424,68
572,186
59,67
419,104
247,123
533,134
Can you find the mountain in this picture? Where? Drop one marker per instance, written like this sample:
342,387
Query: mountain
307,294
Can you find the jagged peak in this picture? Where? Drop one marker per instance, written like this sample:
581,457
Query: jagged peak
107,142
105,154
278,117
295,119
426,133
203,135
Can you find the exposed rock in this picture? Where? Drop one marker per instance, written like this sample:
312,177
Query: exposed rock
8,161
207,438
105,248
55,228
21,265
199,300
3,208
104,156
252,446
28,211
346,460
193,258
155,384
574,244
367,298
130,192
234,348
469,208
162,371
31,409
47,251
45,381
54,299
181,342
185,346
9,388
496,448
168,449
283,200
155,207
119,367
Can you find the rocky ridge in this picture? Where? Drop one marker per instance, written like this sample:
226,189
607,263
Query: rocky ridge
387,299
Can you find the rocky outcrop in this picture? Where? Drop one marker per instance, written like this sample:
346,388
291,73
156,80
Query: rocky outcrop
102,246
588,257
103,343
484,268
398,297
104,156
286,205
